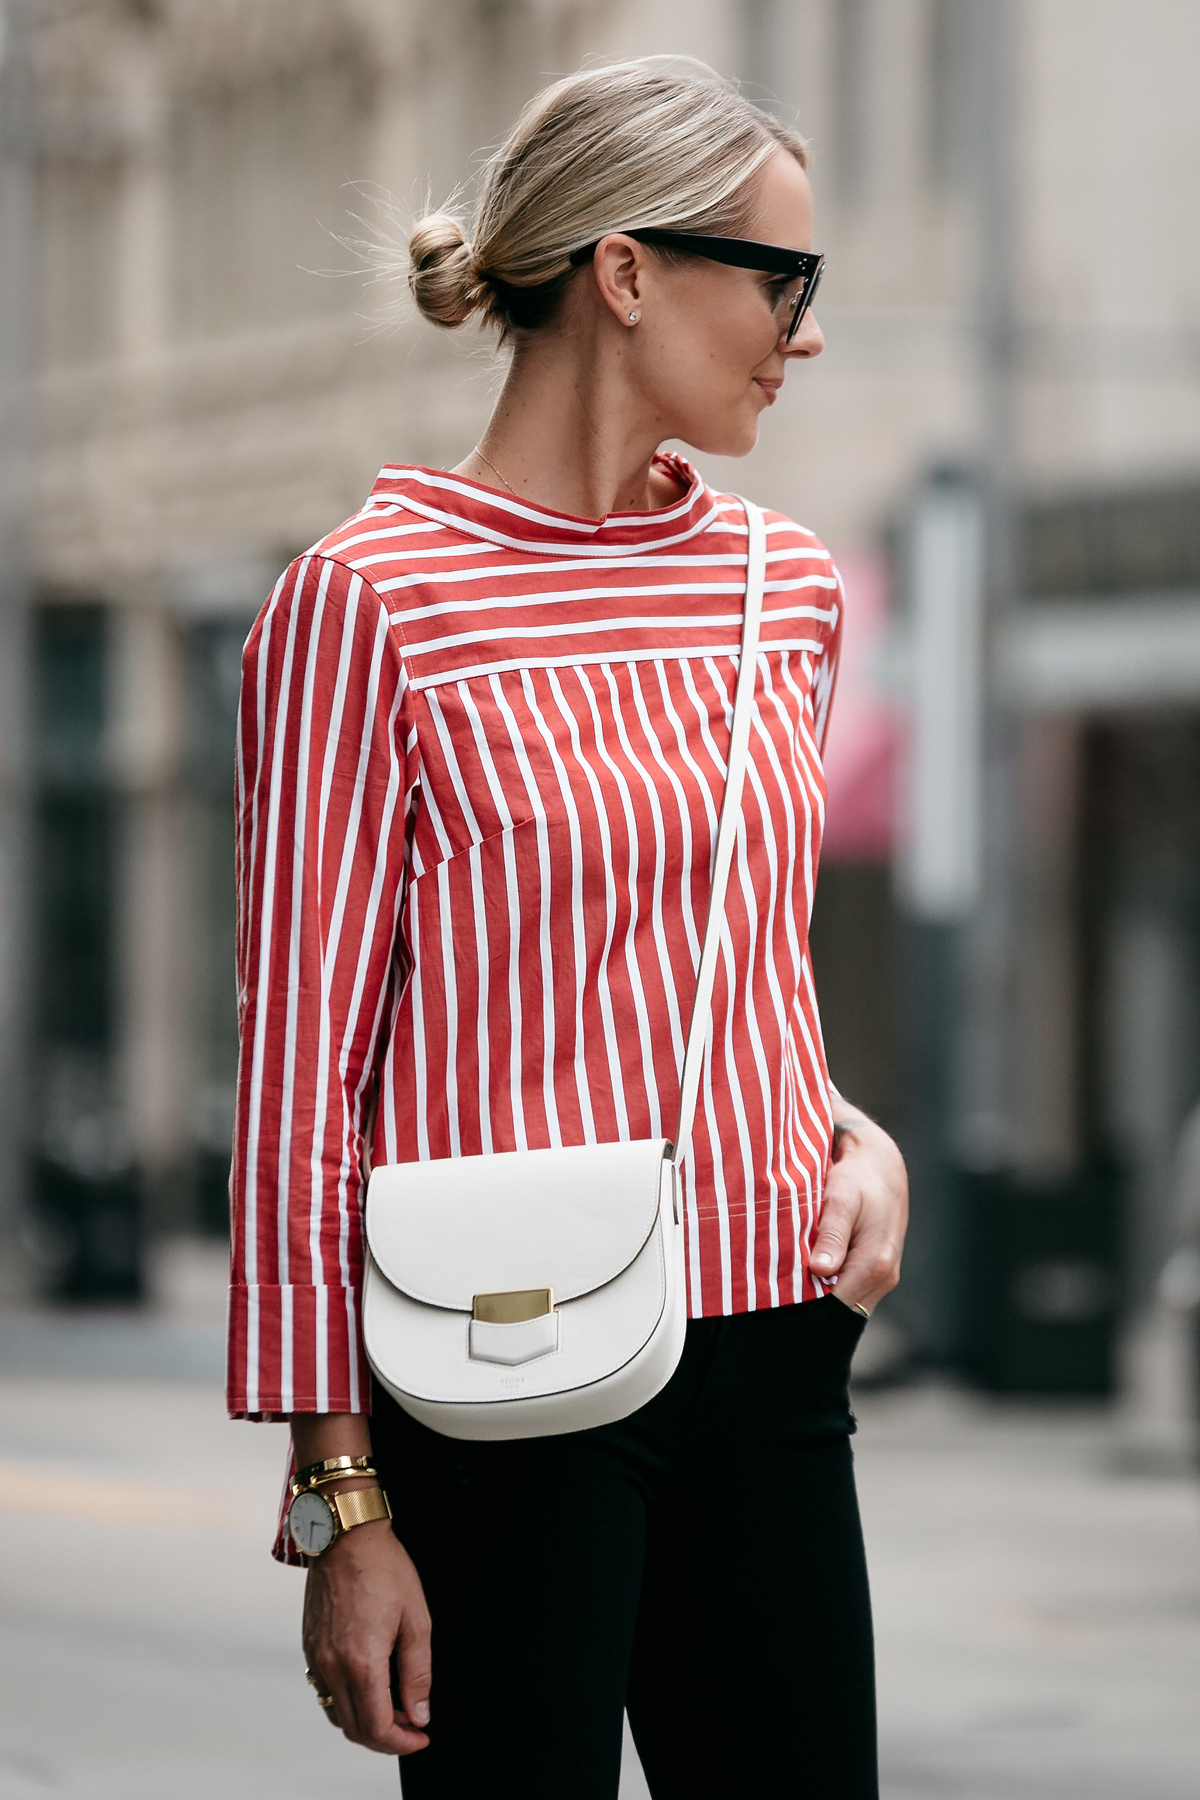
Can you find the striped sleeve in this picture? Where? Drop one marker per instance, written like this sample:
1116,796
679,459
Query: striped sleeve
825,671
325,786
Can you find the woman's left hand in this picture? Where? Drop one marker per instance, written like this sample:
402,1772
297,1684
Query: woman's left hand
865,1213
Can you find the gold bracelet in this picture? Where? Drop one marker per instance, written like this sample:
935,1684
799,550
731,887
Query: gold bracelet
320,1481
347,1463
342,1475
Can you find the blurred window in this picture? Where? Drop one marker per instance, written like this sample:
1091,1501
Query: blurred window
260,174
213,652
1123,542
74,833
70,645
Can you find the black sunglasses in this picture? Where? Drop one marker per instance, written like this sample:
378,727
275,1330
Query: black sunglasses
805,266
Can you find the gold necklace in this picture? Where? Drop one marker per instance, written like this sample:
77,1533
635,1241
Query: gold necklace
495,471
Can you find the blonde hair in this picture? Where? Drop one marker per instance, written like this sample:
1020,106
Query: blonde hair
620,148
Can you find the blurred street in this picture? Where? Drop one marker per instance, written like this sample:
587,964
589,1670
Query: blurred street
1038,1606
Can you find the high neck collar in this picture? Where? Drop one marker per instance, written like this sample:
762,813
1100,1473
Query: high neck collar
517,524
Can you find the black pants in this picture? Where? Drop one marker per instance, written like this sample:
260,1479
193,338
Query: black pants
700,1563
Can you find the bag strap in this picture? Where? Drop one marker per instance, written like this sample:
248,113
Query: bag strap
731,806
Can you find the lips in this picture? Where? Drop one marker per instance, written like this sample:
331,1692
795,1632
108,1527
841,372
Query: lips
769,388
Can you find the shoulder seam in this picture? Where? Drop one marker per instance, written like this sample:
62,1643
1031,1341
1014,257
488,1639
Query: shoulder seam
357,575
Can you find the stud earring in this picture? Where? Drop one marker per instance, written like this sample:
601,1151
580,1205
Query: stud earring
633,318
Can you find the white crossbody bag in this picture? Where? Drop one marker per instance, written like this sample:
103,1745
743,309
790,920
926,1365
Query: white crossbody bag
533,1292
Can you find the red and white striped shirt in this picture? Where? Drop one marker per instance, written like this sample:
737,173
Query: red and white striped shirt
481,754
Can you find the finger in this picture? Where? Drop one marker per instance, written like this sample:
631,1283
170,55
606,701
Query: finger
321,1690
415,1668
373,1721
871,1270
833,1238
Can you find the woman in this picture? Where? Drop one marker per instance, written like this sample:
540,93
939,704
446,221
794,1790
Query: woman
482,747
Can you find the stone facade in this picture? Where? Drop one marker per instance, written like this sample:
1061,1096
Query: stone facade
214,388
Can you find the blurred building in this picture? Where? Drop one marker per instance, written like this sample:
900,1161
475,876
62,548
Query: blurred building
210,395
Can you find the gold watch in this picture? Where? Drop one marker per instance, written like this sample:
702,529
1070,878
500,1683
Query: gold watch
317,1520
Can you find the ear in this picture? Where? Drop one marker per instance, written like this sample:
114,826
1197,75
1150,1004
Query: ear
619,268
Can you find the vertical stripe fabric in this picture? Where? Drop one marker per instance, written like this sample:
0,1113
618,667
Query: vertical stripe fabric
481,753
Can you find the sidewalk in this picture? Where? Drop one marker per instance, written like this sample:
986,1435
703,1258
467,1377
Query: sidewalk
1038,1611
1037,1608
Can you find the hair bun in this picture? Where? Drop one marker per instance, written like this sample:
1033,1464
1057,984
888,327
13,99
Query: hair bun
442,273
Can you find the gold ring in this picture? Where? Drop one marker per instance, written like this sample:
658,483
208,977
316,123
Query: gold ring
322,1699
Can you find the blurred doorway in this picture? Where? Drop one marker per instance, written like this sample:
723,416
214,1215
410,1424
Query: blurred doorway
1140,932
87,1200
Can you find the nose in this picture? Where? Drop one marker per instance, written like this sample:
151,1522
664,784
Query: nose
809,340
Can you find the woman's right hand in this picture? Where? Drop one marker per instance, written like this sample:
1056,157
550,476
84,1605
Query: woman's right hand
364,1599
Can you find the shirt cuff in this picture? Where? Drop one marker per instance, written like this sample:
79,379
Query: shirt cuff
295,1348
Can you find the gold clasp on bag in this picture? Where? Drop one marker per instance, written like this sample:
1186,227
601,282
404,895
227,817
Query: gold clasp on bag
511,1308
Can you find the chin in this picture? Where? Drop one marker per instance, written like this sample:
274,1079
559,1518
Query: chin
735,437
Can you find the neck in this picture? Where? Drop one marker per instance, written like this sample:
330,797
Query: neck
570,433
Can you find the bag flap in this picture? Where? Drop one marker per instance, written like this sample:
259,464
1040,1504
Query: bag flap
568,1219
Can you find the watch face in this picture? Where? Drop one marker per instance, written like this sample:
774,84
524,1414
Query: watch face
310,1521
